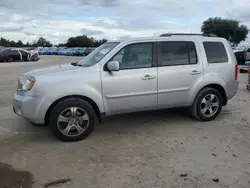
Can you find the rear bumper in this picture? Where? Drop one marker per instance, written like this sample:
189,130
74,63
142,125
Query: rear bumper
232,88
29,108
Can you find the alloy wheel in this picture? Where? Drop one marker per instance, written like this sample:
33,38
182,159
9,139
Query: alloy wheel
73,121
209,105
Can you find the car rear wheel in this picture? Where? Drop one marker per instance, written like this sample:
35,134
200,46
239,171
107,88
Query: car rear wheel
10,59
72,120
207,104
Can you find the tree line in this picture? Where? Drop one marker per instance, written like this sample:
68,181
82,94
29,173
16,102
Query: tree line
78,41
83,41
226,28
10,43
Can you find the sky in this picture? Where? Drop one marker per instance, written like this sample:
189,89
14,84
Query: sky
57,20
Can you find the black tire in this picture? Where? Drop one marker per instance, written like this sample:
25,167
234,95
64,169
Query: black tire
196,110
10,59
72,102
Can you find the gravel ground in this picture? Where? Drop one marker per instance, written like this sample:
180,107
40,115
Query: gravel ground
148,149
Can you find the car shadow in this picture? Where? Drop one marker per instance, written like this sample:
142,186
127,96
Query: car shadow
145,120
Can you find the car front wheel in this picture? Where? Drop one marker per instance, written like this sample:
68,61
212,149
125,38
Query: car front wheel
72,120
207,104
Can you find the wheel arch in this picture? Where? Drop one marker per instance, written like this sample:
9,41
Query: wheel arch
219,88
89,100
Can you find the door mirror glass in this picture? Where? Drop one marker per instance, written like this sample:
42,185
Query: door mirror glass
113,66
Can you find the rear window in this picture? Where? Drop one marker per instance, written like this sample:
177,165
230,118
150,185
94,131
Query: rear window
216,52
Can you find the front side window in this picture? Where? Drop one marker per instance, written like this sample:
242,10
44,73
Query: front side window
216,52
134,56
174,53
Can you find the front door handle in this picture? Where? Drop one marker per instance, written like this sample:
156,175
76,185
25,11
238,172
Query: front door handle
195,72
148,77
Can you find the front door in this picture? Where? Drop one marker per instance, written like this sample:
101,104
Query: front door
134,86
178,70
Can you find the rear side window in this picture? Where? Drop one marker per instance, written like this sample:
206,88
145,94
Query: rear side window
216,52
177,53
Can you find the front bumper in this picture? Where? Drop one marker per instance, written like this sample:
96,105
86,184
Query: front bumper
29,108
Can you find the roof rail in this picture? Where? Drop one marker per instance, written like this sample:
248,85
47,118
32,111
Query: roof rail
189,34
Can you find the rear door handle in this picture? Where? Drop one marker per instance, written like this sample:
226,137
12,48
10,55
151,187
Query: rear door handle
148,77
195,72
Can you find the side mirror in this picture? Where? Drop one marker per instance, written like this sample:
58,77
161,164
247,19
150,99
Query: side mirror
113,66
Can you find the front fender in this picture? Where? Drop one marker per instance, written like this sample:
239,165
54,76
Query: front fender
86,91
59,92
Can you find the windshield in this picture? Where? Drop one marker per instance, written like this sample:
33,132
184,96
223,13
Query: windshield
99,53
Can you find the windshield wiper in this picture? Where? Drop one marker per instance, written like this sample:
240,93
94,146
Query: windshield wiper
76,64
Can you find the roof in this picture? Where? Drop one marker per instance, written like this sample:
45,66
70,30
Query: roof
199,37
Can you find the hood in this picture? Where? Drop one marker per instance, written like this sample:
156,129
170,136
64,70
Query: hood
52,70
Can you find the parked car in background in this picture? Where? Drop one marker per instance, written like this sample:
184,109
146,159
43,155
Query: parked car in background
88,51
30,49
10,55
79,52
242,55
138,74
70,52
51,51
34,55
55,51
62,51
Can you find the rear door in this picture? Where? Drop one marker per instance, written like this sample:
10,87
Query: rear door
15,54
178,70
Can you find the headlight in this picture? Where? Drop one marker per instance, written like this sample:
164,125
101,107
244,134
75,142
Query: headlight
25,83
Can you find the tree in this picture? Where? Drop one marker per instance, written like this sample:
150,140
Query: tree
78,41
42,42
19,43
226,28
84,41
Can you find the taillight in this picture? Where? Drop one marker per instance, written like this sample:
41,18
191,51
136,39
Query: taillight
1,55
236,72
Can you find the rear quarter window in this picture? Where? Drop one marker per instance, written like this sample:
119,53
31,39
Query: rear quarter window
215,52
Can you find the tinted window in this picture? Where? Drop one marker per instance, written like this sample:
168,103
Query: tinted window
4,51
177,53
14,52
23,52
135,56
216,52
192,53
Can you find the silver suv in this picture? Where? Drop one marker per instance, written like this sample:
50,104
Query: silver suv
138,74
